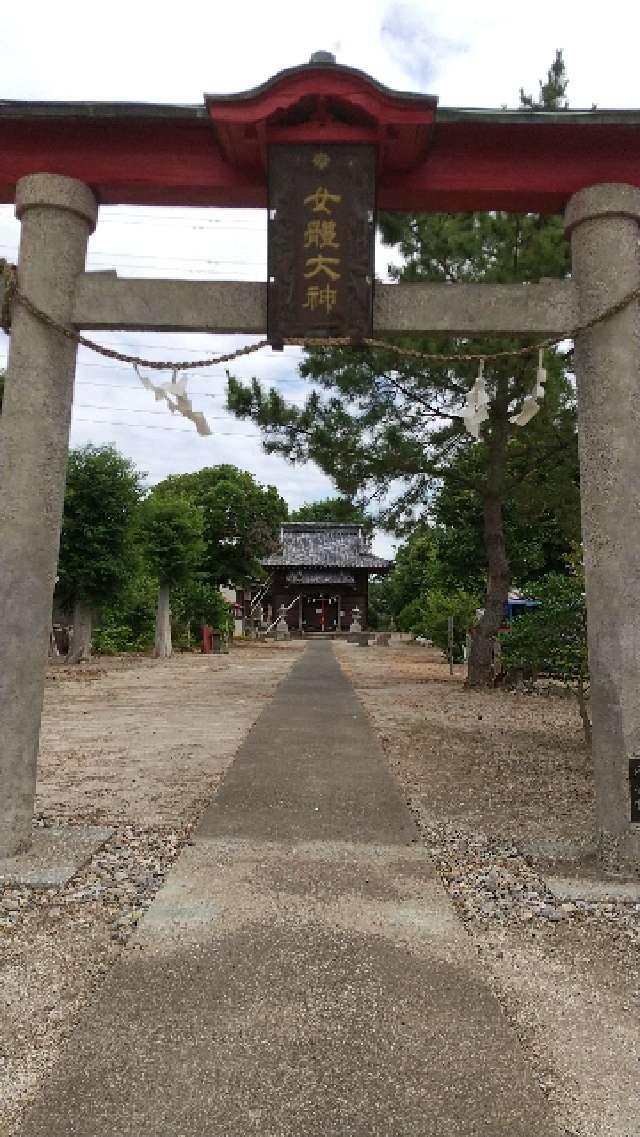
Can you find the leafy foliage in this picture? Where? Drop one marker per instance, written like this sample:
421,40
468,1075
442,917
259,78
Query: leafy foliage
541,499
96,551
333,509
240,519
127,623
198,603
171,535
551,639
415,571
437,607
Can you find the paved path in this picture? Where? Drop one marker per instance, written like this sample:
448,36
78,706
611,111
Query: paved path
301,973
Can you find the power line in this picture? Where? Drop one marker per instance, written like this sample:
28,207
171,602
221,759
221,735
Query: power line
135,387
142,410
213,226
157,257
174,429
203,374
141,390
106,254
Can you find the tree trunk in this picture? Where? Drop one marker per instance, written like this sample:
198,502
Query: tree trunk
80,645
162,648
483,636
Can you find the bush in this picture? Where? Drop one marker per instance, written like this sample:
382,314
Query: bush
553,638
198,603
410,617
428,615
437,607
112,639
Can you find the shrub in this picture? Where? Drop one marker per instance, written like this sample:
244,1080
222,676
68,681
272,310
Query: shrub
553,638
437,607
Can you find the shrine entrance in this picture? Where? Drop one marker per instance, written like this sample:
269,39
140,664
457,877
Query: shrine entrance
320,613
59,162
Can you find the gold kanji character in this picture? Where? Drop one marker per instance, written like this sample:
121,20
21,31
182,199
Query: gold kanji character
326,298
319,264
319,198
321,235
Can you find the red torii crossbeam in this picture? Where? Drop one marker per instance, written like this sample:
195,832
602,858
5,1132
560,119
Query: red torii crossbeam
430,158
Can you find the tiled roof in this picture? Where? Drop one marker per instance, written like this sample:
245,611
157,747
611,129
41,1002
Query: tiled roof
324,544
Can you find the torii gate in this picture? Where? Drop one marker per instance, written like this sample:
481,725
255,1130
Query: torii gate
59,161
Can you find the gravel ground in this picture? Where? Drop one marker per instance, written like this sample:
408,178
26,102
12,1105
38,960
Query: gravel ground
140,745
491,777
488,775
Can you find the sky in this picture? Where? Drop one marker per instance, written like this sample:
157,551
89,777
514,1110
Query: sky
469,54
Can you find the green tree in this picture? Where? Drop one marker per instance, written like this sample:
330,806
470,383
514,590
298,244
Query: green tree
541,504
196,603
172,546
431,614
415,571
333,509
552,639
241,520
375,421
96,549
127,623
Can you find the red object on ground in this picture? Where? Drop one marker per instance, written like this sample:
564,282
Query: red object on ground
207,640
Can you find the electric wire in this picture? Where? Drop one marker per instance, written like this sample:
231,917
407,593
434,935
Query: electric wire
174,429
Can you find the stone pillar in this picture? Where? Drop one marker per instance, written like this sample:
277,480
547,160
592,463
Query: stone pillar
57,216
603,224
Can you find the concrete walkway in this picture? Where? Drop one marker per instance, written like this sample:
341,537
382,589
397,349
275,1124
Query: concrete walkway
301,973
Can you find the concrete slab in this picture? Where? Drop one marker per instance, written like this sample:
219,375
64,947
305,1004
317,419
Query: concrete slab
311,767
600,890
55,855
287,983
295,990
551,850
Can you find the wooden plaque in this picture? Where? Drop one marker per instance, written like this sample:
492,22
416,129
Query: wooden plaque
321,241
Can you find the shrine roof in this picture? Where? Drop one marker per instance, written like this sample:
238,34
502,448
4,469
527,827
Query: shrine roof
324,544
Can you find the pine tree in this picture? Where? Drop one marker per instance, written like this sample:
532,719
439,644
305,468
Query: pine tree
376,420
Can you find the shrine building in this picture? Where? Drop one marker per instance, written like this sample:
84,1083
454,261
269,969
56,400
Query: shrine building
320,574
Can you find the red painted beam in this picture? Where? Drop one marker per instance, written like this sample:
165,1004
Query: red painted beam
531,163
517,167
128,163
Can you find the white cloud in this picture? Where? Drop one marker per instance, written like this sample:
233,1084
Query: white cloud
409,34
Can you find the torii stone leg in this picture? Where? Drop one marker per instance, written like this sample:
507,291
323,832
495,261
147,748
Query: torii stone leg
603,224
57,216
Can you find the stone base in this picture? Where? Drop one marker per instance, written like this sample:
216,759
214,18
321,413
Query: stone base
597,889
576,871
55,855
